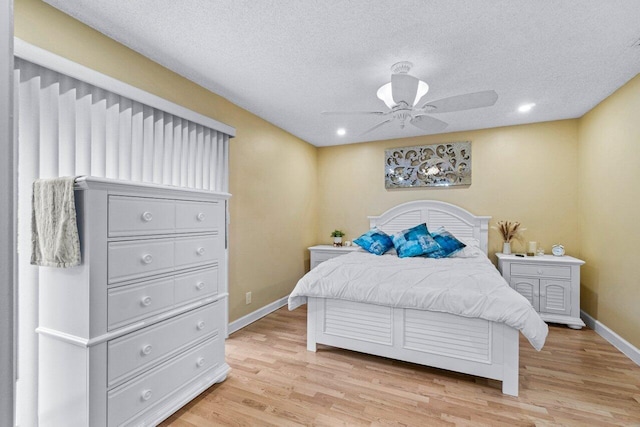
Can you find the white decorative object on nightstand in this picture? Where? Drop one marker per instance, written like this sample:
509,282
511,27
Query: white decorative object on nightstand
322,253
550,283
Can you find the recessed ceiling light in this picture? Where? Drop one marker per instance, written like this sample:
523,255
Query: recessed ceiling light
525,108
341,131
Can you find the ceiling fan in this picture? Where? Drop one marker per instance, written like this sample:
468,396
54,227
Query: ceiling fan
403,94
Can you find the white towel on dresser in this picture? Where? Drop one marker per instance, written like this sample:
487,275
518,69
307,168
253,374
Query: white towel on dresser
54,230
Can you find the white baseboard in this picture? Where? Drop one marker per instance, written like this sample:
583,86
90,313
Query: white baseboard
256,315
614,339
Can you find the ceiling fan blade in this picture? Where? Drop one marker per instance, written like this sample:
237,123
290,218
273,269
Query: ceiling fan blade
377,126
404,88
463,102
340,113
428,123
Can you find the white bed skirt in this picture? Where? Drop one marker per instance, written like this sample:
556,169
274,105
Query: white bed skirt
441,340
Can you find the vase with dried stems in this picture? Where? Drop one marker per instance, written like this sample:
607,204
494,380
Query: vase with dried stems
508,230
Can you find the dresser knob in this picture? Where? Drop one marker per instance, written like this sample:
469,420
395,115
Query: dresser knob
146,301
146,395
147,259
146,350
200,286
147,216
200,362
200,325
200,217
200,251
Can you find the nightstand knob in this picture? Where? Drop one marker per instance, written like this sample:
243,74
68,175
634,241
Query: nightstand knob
200,362
147,259
146,301
200,217
147,216
540,271
200,325
146,350
200,286
146,395
200,251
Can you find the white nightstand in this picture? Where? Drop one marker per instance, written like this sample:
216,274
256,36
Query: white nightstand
321,253
550,283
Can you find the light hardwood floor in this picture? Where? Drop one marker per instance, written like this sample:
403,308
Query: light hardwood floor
578,379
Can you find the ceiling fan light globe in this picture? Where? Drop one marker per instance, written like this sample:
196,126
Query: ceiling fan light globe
423,88
384,94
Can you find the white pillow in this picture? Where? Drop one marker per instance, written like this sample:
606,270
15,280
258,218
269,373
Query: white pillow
472,250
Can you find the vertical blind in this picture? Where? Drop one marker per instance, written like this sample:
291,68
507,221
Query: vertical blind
67,127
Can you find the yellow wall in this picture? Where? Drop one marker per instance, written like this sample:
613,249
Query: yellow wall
572,181
522,173
273,214
609,189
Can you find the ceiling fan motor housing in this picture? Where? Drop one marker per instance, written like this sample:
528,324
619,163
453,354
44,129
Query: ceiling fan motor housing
402,67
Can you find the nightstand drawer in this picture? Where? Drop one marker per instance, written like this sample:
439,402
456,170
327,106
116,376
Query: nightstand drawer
324,256
541,270
322,253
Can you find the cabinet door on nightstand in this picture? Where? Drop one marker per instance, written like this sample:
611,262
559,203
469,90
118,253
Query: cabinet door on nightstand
555,297
528,288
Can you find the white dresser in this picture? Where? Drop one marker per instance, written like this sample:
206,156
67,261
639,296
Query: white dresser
137,330
550,283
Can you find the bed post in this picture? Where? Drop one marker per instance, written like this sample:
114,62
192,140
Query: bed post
312,310
510,361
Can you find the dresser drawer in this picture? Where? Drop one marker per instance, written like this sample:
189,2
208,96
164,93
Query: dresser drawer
131,260
130,303
540,270
133,353
193,286
136,216
198,216
195,251
144,392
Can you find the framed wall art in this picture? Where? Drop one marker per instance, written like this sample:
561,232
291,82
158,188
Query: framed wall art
437,165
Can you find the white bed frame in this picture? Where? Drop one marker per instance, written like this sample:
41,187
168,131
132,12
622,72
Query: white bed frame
467,345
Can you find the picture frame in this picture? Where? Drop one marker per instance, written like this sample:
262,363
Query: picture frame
437,165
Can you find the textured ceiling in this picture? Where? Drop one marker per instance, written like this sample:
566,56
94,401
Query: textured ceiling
288,60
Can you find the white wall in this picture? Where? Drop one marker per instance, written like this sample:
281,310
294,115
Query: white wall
6,215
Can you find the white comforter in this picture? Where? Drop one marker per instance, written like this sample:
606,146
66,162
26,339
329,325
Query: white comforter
469,287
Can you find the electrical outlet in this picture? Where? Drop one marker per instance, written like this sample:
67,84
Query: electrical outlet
247,298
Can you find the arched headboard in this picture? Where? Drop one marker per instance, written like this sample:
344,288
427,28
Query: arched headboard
458,221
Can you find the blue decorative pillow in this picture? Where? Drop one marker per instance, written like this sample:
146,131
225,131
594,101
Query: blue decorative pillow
447,244
414,241
375,241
